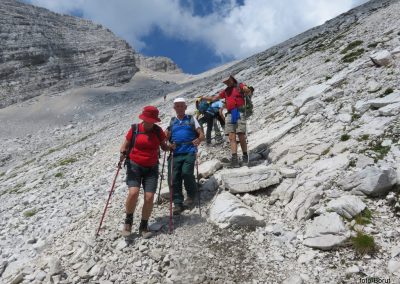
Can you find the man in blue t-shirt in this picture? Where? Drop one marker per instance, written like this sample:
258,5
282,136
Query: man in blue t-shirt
185,134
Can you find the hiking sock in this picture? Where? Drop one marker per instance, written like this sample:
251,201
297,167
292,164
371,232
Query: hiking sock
129,218
143,224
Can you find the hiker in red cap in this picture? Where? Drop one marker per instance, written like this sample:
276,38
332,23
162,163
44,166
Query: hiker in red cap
235,120
141,149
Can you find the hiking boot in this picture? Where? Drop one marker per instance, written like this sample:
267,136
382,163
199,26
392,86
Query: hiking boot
127,230
145,233
245,159
188,203
234,162
178,209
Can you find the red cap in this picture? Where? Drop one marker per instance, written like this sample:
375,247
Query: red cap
150,114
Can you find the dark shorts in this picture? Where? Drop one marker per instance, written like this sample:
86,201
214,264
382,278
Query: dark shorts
137,175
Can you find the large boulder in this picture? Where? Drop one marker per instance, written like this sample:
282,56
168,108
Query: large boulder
371,181
347,206
208,168
387,100
390,110
326,232
382,58
228,210
250,179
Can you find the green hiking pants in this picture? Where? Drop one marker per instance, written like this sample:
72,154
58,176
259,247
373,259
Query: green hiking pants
183,170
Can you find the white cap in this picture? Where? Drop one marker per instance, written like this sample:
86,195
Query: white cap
179,100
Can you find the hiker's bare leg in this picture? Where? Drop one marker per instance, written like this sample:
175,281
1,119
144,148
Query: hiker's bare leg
232,140
243,144
147,205
131,200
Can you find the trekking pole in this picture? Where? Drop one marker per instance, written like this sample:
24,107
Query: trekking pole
162,177
247,141
109,197
198,183
171,188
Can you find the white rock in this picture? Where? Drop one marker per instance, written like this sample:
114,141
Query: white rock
396,51
325,232
228,210
344,117
390,110
55,266
371,181
352,270
309,94
250,179
347,206
306,257
288,173
394,266
382,58
373,86
395,251
295,279
208,168
393,98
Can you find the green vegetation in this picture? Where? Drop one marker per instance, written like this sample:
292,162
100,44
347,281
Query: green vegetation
67,161
328,78
30,213
373,45
60,175
345,137
364,217
352,164
352,56
2,174
363,243
380,150
363,137
351,46
355,116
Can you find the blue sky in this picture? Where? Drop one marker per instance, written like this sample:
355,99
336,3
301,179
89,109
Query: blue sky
202,34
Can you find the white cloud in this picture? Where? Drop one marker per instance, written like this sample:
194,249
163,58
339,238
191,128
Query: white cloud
231,31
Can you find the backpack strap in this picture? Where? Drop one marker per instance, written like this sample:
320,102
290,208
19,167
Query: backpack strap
191,123
135,132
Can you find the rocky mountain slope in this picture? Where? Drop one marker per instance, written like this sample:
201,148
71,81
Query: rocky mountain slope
319,202
157,63
45,52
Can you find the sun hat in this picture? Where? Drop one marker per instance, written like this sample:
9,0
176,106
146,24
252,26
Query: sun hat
179,100
230,78
150,114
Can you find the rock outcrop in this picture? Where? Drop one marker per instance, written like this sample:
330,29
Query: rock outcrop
157,63
45,52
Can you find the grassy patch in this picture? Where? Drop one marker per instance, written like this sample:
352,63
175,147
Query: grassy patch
351,46
30,213
67,161
328,78
363,243
364,217
59,175
345,137
355,116
352,56
363,137
380,150
352,164
2,174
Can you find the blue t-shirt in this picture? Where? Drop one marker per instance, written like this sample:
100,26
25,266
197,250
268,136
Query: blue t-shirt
182,134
